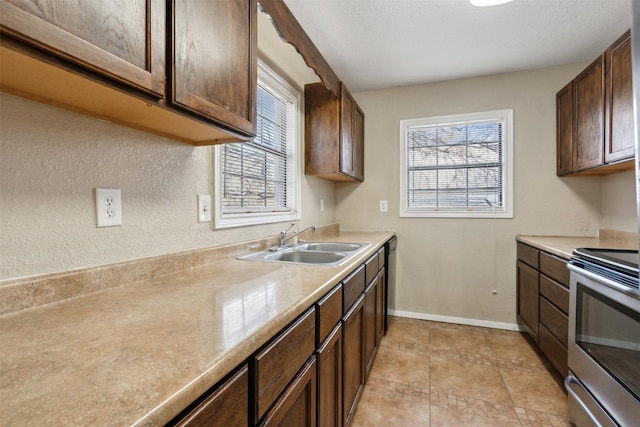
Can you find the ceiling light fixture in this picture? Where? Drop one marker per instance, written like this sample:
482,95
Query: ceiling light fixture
484,3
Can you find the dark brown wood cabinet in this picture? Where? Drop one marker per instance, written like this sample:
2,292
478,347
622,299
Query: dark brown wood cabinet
329,357
334,134
589,117
278,362
594,116
297,404
619,138
180,69
227,405
564,129
543,302
353,359
527,298
213,52
122,40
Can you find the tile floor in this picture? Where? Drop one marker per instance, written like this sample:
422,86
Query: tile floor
440,374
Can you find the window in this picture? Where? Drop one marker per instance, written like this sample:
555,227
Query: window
457,166
257,182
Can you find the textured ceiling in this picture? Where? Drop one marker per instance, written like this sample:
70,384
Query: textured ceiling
374,44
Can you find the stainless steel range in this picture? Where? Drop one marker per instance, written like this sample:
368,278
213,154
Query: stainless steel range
604,338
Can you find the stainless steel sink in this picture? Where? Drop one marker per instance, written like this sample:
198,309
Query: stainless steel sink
316,253
330,246
307,257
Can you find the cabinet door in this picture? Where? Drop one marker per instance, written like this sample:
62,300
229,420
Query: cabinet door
214,59
620,142
358,143
123,40
329,357
346,133
227,406
380,307
564,129
528,297
370,332
588,129
296,407
352,360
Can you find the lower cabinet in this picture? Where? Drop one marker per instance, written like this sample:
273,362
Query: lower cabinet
297,404
371,324
329,359
543,302
352,368
527,296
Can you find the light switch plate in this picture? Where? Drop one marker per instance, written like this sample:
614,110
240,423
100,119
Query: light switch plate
204,208
108,207
383,206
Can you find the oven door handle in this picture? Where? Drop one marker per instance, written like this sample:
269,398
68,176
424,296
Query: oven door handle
567,385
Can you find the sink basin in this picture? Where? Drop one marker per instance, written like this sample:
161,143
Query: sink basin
330,246
330,254
307,257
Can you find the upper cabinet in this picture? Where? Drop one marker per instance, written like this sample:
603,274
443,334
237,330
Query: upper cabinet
334,134
213,54
594,116
619,138
122,40
110,59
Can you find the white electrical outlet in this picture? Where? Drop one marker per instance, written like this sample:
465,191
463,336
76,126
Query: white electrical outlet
204,208
108,207
383,206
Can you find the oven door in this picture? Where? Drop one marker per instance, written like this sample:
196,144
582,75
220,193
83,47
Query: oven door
604,344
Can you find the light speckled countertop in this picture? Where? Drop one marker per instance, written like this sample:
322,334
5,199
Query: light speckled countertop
564,246
142,352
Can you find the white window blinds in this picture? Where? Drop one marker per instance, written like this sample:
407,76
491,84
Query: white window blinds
457,165
255,173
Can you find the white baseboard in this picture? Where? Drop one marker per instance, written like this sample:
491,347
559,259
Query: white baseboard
458,320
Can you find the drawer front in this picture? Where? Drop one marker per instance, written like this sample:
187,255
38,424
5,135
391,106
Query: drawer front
371,266
554,267
528,255
279,362
381,254
227,406
554,292
554,320
329,312
352,288
554,350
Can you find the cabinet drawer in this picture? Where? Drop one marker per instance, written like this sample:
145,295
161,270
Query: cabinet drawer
553,349
554,267
329,312
226,406
554,320
279,362
528,255
352,288
371,266
381,254
554,292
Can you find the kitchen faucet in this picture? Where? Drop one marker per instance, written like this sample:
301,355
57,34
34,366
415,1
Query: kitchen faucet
283,234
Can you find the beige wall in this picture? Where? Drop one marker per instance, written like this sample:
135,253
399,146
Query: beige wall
449,267
619,208
51,160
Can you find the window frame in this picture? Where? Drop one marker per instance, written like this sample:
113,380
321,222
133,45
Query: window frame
277,84
506,211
